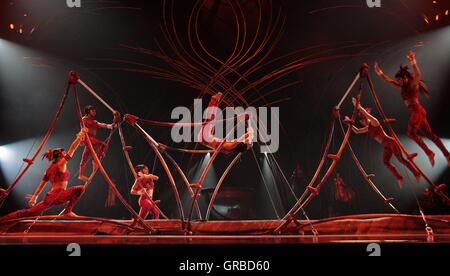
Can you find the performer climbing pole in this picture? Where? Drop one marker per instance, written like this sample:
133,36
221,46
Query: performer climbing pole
390,146
144,187
100,147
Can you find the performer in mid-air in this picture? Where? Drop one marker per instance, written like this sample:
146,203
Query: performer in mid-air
58,175
372,127
144,187
411,86
100,147
206,135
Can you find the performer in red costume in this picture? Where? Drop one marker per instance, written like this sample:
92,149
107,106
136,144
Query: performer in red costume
58,175
206,135
411,87
342,192
144,187
391,148
100,147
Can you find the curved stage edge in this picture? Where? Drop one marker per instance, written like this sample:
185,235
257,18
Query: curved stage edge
359,228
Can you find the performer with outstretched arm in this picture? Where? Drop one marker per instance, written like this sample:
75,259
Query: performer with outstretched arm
143,187
100,147
206,135
411,86
373,128
58,175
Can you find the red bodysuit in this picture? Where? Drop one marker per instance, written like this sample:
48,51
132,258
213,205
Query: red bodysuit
100,147
145,201
54,197
390,148
419,122
206,134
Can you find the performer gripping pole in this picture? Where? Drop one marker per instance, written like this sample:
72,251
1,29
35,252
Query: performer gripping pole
143,187
100,147
58,175
373,128
411,87
206,135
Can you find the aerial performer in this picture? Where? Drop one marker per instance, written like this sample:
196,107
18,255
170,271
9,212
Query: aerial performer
411,87
58,175
100,147
144,187
373,128
207,132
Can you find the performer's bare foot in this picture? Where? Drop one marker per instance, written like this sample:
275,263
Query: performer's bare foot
431,156
70,215
83,178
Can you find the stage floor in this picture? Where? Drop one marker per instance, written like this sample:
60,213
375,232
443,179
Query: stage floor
376,228
217,240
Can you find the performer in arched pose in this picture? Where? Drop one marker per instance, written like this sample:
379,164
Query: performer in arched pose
144,187
372,127
100,147
58,175
411,86
206,135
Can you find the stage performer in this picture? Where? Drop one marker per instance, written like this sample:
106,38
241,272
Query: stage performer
411,86
58,175
391,148
206,135
144,187
100,147
342,192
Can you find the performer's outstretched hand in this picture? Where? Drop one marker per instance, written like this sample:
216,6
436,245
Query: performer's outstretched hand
31,200
411,56
378,69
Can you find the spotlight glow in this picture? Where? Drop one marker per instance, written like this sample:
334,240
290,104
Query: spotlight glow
5,153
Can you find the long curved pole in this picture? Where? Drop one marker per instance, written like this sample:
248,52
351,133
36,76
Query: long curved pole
219,185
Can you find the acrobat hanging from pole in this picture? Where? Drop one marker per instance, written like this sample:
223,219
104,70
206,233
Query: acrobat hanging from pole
207,133
411,87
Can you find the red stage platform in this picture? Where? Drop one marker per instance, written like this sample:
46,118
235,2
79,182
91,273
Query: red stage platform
361,228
